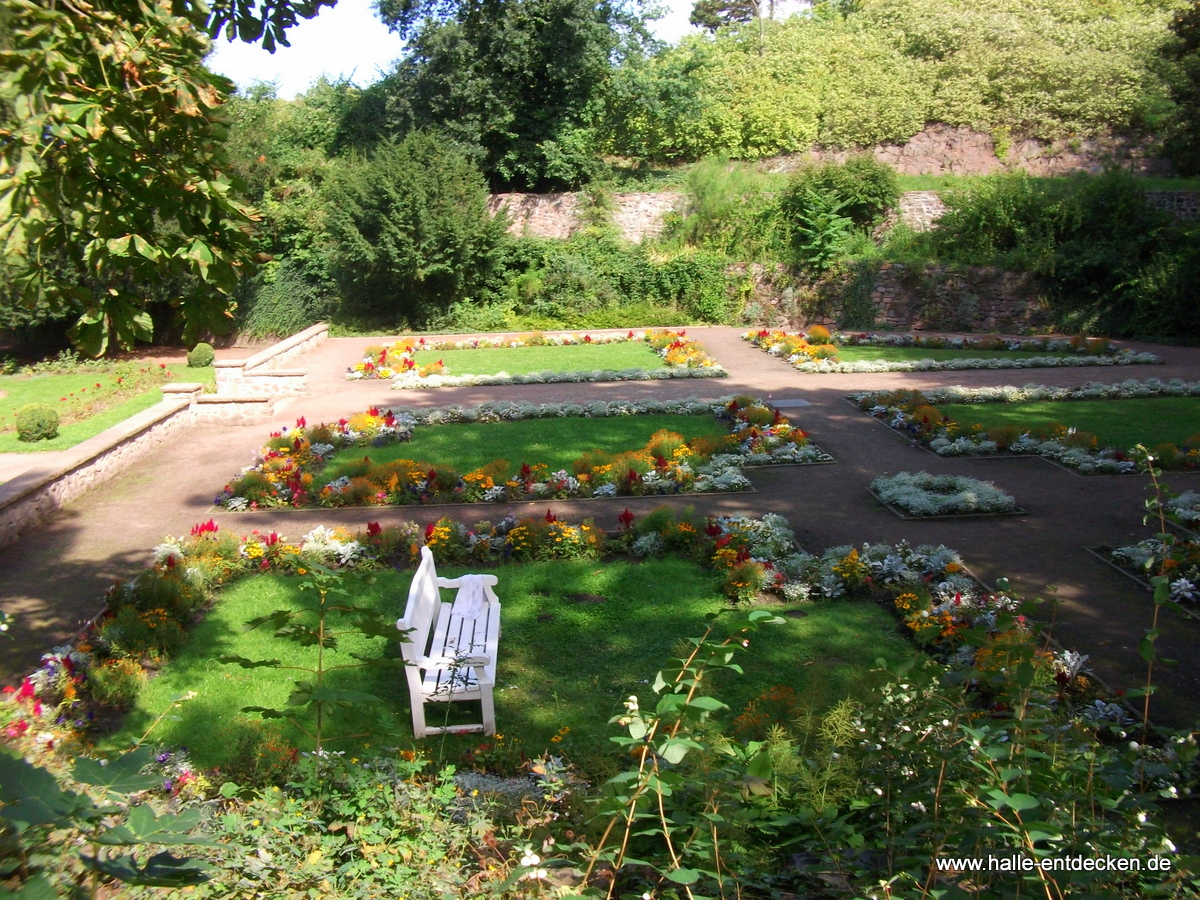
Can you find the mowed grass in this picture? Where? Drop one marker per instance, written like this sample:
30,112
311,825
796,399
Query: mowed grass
88,402
1116,423
579,637
904,354
555,442
526,360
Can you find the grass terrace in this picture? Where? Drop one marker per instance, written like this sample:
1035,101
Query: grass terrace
1092,429
526,360
1115,423
88,398
537,358
553,443
495,452
819,350
629,615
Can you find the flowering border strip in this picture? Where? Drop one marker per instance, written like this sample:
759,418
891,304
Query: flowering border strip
284,473
684,357
922,483
776,343
1105,555
934,436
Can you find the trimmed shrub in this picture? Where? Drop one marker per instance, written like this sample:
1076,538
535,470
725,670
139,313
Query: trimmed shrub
200,356
37,422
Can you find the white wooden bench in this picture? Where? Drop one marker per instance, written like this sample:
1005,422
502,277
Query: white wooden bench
450,651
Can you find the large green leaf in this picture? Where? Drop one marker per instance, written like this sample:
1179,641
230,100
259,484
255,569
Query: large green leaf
119,775
31,796
160,870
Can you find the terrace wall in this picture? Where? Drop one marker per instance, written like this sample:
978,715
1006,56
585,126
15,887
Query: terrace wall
246,391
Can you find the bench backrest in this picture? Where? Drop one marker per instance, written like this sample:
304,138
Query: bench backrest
421,611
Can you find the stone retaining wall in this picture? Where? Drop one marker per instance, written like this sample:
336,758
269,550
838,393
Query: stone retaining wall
251,387
32,497
263,373
560,215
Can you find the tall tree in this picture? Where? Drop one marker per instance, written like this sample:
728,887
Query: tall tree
111,160
410,230
1183,141
522,81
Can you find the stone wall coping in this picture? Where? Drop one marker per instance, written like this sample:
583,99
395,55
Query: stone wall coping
277,373
237,400
83,453
265,356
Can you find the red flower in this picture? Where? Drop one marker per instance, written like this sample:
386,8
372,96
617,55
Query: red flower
300,422
431,476
626,519
373,529
629,336
713,529
373,411
429,531
439,362
525,471
209,527
587,339
26,690
550,516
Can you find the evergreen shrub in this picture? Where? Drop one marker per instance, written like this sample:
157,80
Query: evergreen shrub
200,356
37,422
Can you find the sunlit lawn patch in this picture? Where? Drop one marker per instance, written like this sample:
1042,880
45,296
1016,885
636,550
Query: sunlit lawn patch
1115,423
579,637
524,360
87,401
555,442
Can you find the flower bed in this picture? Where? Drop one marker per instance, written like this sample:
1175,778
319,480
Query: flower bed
922,495
927,587
1178,560
996,694
288,469
683,356
914,414
816,352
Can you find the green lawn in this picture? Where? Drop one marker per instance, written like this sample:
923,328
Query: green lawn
556,442
525,360
565,660
1116,423
88,402
893,354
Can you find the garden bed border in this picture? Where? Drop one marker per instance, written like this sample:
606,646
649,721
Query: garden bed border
1100,554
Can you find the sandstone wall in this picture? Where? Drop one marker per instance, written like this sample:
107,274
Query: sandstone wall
980,300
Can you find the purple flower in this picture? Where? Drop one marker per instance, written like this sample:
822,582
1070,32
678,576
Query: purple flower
163,757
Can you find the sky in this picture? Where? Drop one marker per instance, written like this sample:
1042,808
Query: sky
348,41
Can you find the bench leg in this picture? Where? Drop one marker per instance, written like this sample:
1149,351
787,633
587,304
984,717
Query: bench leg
418,716
489,711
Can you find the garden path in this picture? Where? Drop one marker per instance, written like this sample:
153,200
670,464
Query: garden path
54,579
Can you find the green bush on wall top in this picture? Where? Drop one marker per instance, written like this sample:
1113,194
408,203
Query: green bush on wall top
37,422
200,356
